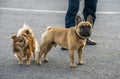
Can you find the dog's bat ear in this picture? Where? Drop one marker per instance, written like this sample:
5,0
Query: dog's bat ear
13,36
90,19
78,19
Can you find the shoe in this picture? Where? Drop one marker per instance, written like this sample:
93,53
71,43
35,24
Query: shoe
63,48
90,42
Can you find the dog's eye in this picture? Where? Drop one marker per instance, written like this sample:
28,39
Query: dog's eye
89,27
24,41
82,27
20,40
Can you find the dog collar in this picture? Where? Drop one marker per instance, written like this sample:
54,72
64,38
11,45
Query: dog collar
79,36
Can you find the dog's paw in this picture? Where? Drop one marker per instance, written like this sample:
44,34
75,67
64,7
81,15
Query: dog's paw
81,63
20,63
46,60
39,62
73,65
28,63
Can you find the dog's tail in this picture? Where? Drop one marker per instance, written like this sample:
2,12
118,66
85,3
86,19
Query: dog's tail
25,30
49,27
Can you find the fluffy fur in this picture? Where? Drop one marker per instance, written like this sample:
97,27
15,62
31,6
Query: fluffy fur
24,44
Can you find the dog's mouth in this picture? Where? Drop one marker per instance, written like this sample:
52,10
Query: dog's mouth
18,48
85,34
85,31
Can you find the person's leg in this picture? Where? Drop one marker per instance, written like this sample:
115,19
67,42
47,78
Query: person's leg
90,7
73,7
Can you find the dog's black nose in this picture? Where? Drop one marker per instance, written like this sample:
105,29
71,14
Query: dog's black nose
85,34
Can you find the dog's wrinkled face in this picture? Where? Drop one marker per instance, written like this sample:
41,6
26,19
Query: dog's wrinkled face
19,43
84,28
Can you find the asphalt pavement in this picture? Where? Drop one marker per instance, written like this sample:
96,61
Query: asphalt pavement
102,61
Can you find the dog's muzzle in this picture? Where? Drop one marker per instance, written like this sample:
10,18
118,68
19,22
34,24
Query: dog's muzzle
85,33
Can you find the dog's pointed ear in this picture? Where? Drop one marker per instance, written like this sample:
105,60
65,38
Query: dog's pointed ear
78,19
90,19
13,36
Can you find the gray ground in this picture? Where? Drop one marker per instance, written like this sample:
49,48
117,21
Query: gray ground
101,61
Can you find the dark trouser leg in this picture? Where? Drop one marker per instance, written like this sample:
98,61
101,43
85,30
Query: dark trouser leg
90,9
73,7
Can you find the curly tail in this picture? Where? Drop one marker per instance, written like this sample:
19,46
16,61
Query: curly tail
25,30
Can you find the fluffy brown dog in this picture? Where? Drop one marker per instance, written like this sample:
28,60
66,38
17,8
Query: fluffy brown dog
24,44
73,38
